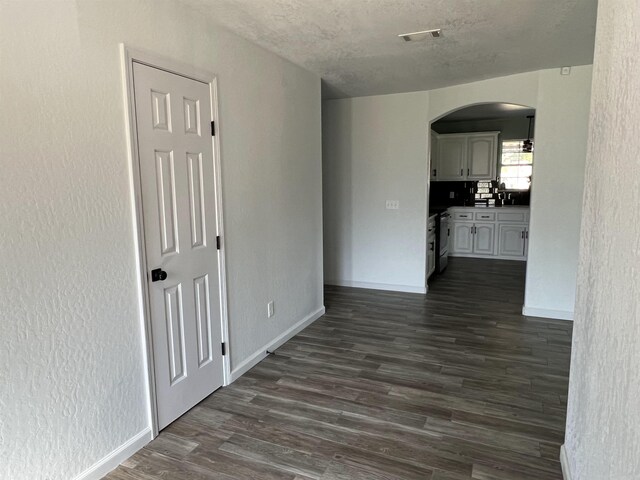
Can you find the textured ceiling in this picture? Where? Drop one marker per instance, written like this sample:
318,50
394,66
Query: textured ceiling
353,44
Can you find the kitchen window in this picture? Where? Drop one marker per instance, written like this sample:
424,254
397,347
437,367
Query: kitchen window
515,166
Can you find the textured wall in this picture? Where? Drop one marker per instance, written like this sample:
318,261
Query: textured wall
603,425
72,383
375,149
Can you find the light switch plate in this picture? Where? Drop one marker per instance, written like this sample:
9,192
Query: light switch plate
393,204
270,309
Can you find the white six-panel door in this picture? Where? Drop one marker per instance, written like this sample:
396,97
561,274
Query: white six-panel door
173,119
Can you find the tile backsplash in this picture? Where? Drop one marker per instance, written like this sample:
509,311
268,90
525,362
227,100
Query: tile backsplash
449,194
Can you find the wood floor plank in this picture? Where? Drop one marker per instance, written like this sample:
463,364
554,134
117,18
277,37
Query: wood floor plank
457,385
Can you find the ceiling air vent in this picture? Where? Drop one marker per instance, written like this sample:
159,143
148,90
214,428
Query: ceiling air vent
417,36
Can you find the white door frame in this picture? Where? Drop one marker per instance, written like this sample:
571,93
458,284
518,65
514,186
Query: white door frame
128,57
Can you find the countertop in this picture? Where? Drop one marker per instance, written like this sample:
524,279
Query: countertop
493,206
439,209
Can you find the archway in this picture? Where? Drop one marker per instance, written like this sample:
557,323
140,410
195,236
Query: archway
480,155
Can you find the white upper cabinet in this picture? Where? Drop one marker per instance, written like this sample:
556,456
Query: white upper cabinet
452,157
482,157
464,156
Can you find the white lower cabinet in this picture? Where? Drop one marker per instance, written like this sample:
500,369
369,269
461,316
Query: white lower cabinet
512,241
489,237
484,236
474,239
462,238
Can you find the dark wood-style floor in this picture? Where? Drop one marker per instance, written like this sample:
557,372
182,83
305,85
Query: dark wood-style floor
457,385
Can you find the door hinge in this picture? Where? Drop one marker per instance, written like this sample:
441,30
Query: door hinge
218,242
224,349
213,128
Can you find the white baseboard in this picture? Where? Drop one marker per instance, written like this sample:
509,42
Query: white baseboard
115,458
488,257
545,313
564,463
377,286
261,353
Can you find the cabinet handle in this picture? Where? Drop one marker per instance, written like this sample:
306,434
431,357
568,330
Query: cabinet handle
526,234
461,172
522,234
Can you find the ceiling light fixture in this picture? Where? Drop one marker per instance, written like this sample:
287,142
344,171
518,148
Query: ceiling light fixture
527,145
417,36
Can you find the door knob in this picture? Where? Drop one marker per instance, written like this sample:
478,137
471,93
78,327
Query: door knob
157,274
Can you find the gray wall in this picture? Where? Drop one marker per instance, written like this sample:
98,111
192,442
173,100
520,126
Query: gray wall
73,385
603,422
375,148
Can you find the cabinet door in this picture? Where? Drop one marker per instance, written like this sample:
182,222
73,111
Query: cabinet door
462,238
434,156
452,157
484,238
511,241
482,157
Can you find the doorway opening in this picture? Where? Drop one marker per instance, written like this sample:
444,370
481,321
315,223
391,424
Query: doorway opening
480,180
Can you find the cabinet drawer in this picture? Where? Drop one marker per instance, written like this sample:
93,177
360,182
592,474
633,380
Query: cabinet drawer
513,217
485,216
463,216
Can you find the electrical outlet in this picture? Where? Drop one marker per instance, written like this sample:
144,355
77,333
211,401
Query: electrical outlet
270,309
565,71
393,204
452,194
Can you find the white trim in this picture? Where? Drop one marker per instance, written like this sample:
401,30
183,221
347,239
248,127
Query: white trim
115,458
378,286
546,313
128,57
564,463
257,356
